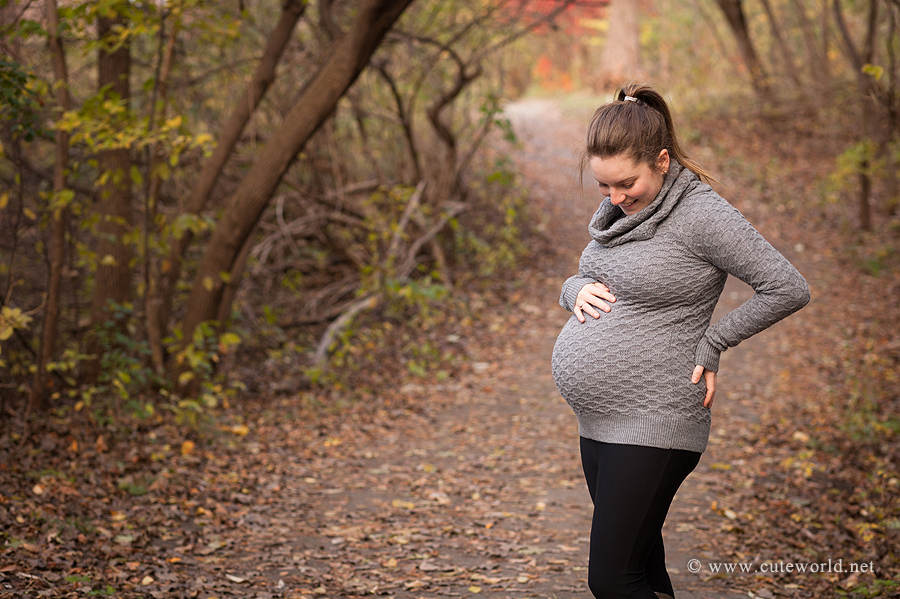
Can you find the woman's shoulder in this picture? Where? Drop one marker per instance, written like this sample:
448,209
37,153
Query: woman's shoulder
700,203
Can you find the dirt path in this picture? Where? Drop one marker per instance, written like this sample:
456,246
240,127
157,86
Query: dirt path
477,489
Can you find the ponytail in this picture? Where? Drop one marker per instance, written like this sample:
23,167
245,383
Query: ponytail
638,123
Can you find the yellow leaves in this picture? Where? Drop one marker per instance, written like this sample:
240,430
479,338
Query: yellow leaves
136,176
874,71
10,320
4,200
228,340
332,442
187,447
38,489
401,504
242,430
208,283
108,260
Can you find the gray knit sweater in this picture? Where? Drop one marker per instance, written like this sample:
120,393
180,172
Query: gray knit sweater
627,374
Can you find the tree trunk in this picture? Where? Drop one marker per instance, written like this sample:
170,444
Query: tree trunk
786,55
227,139
867,94
112,280
620,60
59,214
153,302
316,102
734,14
815,59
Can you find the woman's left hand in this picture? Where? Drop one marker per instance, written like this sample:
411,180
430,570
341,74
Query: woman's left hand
710,376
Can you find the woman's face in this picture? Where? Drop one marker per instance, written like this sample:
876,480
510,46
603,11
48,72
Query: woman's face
630,185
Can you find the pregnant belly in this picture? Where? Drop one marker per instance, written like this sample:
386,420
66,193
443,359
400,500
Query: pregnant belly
615,358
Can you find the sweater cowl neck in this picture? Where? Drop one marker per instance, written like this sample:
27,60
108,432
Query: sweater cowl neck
611,227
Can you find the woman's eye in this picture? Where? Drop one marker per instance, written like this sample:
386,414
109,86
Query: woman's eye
628,186
604,188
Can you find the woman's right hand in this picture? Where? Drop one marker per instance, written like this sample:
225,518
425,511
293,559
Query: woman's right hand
591,295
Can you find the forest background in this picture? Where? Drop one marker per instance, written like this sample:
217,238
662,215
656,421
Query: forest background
206,205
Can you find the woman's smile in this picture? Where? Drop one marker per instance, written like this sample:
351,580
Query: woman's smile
630,185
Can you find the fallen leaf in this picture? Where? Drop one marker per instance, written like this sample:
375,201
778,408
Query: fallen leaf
800,436
439,497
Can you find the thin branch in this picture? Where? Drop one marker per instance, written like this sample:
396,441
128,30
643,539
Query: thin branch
331,333
411,206
6,30
410,263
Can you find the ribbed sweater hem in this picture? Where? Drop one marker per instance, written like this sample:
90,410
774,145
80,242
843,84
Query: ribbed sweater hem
648,430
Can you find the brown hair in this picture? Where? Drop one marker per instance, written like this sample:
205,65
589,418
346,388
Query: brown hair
640,128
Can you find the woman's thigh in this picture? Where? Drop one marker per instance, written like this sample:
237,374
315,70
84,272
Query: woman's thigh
632,487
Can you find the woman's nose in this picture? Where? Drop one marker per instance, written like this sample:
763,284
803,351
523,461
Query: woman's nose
616,197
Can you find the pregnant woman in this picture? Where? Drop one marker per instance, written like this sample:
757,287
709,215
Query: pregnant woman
637,360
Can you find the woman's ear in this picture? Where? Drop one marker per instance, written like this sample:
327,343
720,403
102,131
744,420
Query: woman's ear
662,161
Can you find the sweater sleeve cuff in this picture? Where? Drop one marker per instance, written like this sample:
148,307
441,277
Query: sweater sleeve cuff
570,291
707,356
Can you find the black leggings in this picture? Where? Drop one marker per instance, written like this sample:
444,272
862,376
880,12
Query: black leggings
631,487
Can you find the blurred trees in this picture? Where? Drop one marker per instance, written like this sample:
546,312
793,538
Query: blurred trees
154,155
621,57
734,15
821,54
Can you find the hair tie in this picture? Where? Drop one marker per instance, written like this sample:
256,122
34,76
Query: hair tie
630,99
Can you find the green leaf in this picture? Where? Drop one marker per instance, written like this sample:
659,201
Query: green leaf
873,71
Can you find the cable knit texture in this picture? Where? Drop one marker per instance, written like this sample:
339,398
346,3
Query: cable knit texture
627,374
